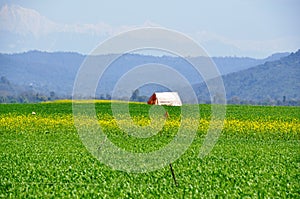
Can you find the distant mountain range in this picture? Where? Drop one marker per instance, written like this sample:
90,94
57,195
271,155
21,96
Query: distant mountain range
53,74
274,82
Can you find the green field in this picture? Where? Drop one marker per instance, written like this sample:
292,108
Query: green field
256,156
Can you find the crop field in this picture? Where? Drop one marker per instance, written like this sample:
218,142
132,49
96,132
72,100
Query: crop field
256,156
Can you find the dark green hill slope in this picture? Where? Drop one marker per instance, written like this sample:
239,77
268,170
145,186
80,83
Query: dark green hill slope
272,81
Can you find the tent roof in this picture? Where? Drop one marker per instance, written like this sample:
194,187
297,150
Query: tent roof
168,98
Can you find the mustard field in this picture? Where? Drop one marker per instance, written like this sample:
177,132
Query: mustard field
42,155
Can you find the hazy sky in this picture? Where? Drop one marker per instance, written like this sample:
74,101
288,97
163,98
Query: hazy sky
254,28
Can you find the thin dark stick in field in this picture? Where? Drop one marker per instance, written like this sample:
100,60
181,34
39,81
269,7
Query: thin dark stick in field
101,144
173,174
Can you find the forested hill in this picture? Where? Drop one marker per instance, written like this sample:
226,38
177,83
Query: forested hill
274,82
39,76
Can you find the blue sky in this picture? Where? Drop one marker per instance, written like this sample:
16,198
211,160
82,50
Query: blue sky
253,28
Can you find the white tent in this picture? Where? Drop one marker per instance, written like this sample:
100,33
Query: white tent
165,98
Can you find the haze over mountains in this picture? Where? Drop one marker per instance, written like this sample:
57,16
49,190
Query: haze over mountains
53,74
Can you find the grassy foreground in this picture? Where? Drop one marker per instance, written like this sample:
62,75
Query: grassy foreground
256,156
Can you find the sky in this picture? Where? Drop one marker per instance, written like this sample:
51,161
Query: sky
248,28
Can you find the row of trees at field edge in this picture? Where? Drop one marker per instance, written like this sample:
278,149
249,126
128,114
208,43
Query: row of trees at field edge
34,97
